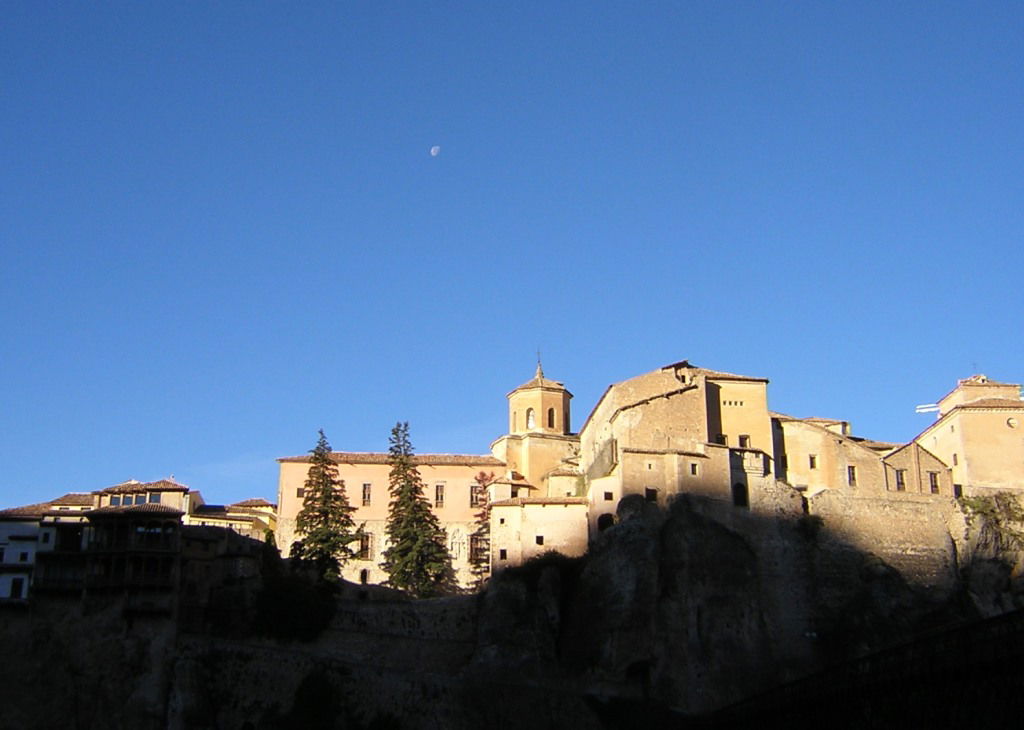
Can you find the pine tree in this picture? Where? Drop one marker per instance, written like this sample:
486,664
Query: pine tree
417,560
325,521
480,540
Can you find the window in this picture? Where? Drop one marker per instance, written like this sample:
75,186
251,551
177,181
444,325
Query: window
154,497
955,461
609,496
651,495
958,490
693,469
115,501
851,476
551,417
46,537
812,461
17,587
22,557
140,499
531,421
501,520
540,539
901,480
722,439
933,481
514,491
503,554
364,576
367,490
365,551
300,492
740,497
744,441
477,495
477,548
439,495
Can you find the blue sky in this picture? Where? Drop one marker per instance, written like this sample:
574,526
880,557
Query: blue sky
222,228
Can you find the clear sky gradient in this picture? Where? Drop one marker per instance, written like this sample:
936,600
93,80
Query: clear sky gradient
222,228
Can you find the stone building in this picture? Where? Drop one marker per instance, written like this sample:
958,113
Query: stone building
683,429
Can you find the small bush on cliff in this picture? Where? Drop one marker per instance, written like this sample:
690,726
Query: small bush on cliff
999,518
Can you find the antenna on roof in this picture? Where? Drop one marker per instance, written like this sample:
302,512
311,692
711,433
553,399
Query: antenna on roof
926,408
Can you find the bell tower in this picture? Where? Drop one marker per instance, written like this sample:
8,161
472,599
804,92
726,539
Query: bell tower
539,406
538,439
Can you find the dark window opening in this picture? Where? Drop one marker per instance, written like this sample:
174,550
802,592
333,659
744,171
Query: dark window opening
651,495
693,470
367,494
300,492
901,480
851,476
46,537
22,557
17,587
722,439
933,481
958,490
115,501
540,539
503,554
744,441
955,460
551,417
154,498
812,461
364,576
740,497
608,496
439,495
365,547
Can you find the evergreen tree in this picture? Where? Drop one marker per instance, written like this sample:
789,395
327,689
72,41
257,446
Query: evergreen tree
480,540
417,560
325,521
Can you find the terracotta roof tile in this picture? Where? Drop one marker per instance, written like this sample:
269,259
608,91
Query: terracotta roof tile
520,501
161,509
131,486
74,499
992,403
370,457
30,511
257,502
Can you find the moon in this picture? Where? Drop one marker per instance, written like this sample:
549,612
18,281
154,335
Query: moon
435,150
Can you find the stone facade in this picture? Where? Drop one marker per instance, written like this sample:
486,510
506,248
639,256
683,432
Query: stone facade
687,430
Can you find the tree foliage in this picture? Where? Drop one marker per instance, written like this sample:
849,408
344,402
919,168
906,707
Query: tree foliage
480,540
325,522
417,559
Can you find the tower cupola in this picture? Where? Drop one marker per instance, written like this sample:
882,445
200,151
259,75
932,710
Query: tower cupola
539,406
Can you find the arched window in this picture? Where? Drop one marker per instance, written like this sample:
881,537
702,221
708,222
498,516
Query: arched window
605,521
531,422
551,417
740,498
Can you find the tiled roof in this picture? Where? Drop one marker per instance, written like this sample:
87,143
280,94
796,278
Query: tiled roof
257,502
155,509
31,511
992,403
564,472
520,501
74,499
132,486
370,457
539,381
713,374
